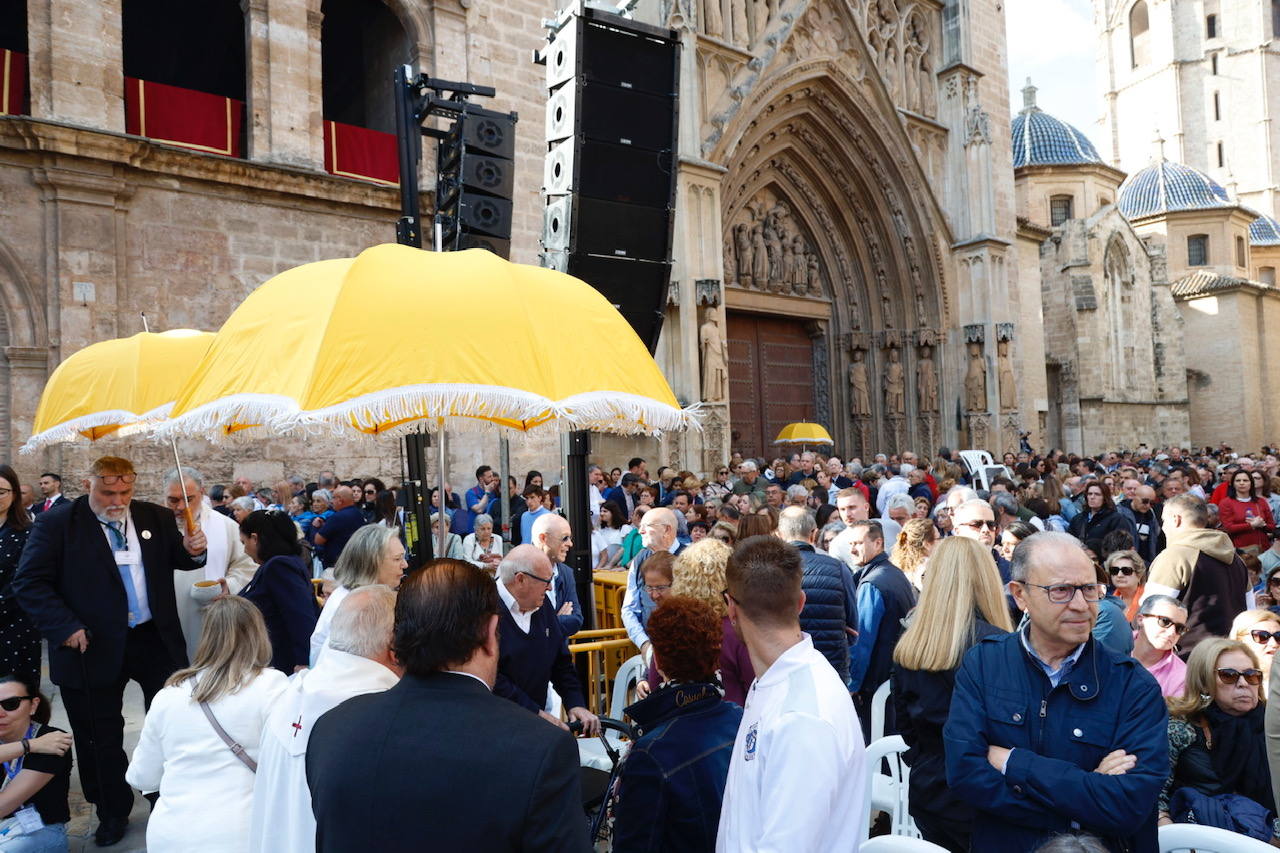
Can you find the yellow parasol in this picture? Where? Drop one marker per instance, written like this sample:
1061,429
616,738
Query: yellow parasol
115,387
399,338
804,434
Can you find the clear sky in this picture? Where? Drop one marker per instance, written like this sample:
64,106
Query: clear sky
1052,42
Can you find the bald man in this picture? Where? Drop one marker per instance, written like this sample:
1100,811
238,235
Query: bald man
338,528
551,536
657,533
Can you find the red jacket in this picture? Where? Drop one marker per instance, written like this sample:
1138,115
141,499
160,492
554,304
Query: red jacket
1234,516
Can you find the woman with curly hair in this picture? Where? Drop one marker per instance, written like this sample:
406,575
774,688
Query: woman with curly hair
915,543
672,783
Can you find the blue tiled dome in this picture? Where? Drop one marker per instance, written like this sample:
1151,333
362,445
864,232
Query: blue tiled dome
1039,139
1166,186
1264,231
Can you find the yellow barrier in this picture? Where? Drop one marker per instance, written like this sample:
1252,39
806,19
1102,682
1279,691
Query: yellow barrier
604,658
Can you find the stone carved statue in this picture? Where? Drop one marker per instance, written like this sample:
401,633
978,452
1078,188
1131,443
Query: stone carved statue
927,381
773,254
738,34
895,388
742,244
859,389
799,267
773,246
759,257
815,276
784,266
1004,371
712,21
759,21
715,361
975,380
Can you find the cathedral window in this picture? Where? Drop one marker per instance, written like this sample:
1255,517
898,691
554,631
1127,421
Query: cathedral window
1213,63
361,45
1060,209
1139,33
1241,259
1222,156
1211,26
1217,106
1198,250
1267,275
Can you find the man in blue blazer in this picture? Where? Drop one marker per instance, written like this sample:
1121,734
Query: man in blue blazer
551,536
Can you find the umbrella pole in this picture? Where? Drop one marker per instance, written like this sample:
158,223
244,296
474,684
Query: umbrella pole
182,486
444,523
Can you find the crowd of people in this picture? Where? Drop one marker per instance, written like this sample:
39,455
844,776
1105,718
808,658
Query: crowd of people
1074,648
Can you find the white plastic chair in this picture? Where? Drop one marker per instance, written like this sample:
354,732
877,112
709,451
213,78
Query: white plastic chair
899,844
591,752
889,792
879,701
1206,839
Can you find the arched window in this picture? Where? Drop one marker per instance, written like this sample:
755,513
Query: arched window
1211,26
1198,250
1139,34
1242,258
13,57
184,68
1061,208
1119,316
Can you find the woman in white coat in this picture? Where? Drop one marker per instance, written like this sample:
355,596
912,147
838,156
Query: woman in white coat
206,790
374,554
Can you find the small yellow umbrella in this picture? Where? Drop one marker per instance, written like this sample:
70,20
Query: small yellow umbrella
115,387
804,434
399,338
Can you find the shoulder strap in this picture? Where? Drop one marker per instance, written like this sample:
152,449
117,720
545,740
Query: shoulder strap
236,749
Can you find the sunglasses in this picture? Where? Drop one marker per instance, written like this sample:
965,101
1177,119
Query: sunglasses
978,525
1122,570
13,702
1262,637
1252,677
1179,628
548,581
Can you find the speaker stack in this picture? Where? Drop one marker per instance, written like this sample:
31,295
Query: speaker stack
475,181
609,174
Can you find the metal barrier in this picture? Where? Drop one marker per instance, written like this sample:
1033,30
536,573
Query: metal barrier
606,649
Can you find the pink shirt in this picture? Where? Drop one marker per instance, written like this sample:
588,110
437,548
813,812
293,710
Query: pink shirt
1170,673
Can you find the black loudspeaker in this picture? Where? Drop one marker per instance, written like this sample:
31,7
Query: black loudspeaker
476,180
638,289
486,132
479,214
625,53
591,226
500,247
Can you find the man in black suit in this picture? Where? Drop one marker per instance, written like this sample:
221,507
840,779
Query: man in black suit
96,578
438,762
50,493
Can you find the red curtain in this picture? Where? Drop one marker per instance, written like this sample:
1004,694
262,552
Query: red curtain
185,117
357,152
13,82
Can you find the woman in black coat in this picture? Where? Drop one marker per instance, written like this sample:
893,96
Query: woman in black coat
19,640
962,602
1099,516
281,588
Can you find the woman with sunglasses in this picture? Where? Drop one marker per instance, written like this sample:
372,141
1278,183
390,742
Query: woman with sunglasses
1260,631
1161,622
1127,574
369,498
1217,742
37,765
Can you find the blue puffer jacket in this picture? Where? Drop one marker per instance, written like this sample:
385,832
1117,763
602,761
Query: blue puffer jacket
672,782
830,603
1058,736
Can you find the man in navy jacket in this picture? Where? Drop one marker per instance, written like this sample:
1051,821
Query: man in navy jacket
1050,731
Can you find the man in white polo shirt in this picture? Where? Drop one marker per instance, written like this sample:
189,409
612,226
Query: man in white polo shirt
796,776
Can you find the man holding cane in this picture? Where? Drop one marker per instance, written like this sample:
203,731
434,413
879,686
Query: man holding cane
96,578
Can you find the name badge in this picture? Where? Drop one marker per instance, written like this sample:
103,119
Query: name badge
128,558
1143,530
28,820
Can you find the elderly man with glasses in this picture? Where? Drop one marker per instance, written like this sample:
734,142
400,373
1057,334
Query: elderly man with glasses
533,651
1050,731
974,519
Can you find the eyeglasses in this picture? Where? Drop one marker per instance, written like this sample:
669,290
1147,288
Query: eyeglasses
1122,570
13,702
662,587
112,479
1179,628
1063,593
722,472
1263,637
4,492
1252,677
548,581
978,525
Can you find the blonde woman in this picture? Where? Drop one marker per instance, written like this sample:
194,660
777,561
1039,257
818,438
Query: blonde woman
206,791
1217,742
1260,631
699,573
962,602
915,542
373,555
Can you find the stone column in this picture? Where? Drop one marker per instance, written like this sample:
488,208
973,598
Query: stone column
284,94
77,64
28,372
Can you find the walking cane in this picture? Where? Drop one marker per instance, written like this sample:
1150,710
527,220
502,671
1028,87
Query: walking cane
93,728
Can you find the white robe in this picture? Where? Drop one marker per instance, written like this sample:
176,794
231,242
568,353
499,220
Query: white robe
225,558
282,821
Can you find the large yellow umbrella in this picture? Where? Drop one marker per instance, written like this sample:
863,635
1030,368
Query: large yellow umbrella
399,338
804,434
115,387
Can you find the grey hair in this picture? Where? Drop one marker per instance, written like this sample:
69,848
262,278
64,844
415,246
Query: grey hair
362,625
972,503
1151,602
324,495
297,480
516,562
906,468
749,465
357,565
795,523
543,524
833,528
901,500
482,518
1022,555
1070,843
1005,502
797,491
189,473
244,502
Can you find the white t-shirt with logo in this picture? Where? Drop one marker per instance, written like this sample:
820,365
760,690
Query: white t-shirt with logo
796,781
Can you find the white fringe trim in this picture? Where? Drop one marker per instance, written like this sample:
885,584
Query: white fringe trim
66,432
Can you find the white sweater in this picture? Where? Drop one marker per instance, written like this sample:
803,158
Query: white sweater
206,793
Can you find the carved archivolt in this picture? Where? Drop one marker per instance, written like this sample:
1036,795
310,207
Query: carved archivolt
768,249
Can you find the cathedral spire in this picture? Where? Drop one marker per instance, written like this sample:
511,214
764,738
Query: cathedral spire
1028,97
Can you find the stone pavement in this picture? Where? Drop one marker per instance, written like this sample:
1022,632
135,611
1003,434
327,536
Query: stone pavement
83,821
